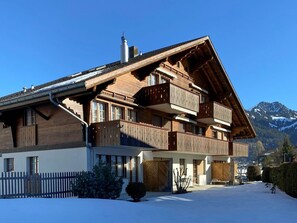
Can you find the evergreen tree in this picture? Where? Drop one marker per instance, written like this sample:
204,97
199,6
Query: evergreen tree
287,150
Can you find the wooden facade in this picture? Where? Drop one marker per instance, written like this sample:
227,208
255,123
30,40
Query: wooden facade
170,114
52,127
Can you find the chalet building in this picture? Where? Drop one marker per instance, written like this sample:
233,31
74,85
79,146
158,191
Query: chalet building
146,115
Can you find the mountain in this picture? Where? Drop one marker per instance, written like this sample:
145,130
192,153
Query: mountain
272,122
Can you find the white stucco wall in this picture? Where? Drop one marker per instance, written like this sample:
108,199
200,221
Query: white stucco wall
59,160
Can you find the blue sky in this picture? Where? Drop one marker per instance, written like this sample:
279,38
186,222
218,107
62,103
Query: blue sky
256,40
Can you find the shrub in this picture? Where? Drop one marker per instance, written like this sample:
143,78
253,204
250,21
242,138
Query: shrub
281,176
291,180
101,182
254,173
266,174
181,181
136,190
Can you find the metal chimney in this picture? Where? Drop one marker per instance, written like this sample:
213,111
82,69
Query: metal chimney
124,50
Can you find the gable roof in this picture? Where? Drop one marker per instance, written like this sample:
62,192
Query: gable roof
82,81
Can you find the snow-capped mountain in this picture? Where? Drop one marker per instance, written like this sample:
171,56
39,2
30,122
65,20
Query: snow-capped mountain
272,121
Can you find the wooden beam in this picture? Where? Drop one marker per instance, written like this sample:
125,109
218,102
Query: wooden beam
40,114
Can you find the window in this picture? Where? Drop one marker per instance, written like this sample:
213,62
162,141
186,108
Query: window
182,167
98,111
163,80
157,120
33,164
29,117
117,112
132,115
214,134
202,99
182,127
225,136
8,164
152,79
117,163
201,131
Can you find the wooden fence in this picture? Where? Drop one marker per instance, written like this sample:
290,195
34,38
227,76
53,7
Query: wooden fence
50,185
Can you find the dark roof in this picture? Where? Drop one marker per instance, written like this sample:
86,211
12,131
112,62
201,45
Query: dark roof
79,78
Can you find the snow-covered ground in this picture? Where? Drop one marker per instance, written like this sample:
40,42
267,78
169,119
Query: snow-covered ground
247,203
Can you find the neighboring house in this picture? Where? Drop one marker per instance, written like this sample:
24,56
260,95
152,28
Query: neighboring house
146,115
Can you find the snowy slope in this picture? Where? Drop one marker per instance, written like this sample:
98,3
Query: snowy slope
244,204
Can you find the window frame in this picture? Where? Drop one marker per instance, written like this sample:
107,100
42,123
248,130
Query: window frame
114,112
33,165
8,165
29,117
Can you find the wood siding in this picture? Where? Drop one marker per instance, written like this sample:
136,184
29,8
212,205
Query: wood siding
186,142
28,136
6,140
214,110
124,133
238,149
53,127
168,93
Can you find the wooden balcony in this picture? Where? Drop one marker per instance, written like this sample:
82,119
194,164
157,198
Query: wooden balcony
28,136
6,138
169,98
213,112
238,149
125,133
185,142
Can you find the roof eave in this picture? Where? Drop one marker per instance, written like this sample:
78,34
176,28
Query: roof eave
37,97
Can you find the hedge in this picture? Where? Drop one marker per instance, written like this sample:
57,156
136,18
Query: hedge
284,176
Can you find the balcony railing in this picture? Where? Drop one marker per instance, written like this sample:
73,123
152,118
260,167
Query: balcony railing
125,133
28,136
238,149
213,112
169,98
6,138
186,142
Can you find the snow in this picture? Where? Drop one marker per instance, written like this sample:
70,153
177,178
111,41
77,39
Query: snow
294,125
272,125
280,118
71,81
246,203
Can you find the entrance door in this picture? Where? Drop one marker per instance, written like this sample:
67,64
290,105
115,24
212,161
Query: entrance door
198,169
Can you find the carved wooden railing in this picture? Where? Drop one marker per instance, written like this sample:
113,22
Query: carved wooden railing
215,110
186,142
169,93
125,133
238,149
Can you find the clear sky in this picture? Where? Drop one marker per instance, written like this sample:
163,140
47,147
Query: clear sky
256,40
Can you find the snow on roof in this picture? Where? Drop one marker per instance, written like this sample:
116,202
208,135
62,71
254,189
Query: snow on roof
70,81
